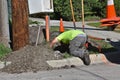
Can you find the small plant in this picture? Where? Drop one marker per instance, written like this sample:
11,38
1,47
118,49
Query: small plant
4,50
67,55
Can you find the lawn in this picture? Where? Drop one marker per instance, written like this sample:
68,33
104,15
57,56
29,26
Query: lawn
97,24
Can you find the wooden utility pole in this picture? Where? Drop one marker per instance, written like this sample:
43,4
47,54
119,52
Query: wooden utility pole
73,17
20,34
83,22
4,24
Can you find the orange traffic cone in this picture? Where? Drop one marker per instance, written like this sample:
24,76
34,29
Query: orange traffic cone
111,18
111,13
61,29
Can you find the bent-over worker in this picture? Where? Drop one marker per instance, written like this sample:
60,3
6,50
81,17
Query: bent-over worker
76,40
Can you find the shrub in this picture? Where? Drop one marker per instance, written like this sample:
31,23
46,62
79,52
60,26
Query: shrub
4,50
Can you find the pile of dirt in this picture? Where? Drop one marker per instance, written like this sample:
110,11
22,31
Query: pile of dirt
31,57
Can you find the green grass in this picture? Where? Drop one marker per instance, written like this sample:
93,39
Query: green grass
56,28
97,24
67,55
4,50
35,22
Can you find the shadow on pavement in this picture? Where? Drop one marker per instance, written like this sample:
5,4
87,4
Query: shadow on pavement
114,57
111,54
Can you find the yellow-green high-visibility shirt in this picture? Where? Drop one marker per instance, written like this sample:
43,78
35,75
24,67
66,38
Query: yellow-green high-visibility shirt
67,36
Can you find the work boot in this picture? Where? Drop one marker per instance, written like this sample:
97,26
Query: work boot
86,59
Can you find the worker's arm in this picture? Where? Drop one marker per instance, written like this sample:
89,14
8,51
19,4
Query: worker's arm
54,42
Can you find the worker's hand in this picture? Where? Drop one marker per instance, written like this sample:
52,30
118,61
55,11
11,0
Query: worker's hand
53,42
51,45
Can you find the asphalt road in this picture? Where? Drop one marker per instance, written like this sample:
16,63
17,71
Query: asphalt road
93,72
101,71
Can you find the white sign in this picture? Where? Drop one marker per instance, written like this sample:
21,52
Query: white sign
38,6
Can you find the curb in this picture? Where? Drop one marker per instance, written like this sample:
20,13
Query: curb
4,63
95,58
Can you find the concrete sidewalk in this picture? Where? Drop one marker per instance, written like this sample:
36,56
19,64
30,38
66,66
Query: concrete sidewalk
95,58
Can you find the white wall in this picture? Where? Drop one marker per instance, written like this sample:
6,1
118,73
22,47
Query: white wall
38,6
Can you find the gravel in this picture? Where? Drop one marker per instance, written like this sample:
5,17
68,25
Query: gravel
30,58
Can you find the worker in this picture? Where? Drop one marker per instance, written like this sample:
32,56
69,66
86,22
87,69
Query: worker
76,40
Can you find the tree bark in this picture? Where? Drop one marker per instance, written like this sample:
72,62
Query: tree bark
20,32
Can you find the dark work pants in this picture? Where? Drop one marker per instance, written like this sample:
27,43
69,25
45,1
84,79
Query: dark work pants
76,46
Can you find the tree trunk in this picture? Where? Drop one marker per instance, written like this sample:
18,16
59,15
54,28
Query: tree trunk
4,24
20,32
